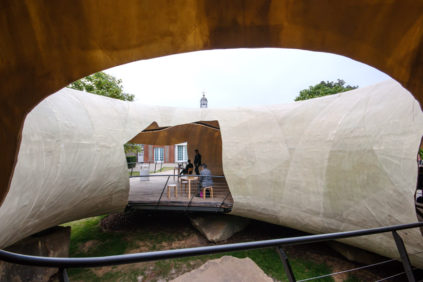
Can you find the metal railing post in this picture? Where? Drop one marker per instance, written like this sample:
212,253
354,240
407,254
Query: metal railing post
404,256
227,195
286,264
167,181
63,275
189,204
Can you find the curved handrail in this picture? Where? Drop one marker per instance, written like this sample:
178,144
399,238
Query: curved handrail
61,262
162,175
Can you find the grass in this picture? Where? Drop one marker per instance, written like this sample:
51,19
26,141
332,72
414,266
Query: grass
134,173
104,243
88,239
163,169
137,173
352,278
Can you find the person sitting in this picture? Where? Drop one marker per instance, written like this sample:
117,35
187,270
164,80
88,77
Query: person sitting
205,179
188,168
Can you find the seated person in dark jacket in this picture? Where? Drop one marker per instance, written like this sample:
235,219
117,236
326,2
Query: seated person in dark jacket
188,166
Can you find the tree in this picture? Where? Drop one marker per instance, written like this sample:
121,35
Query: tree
323,89
101,83
132,148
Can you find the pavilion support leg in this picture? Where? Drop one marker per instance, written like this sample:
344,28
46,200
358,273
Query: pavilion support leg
63,275
286,264
404,257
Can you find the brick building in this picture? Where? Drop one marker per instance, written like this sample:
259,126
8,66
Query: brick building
167,154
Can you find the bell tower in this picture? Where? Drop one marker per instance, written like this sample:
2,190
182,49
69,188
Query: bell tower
203,101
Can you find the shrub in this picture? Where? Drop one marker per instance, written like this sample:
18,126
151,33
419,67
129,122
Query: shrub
132,161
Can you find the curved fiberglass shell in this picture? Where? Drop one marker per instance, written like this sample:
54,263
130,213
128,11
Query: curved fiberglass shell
336,163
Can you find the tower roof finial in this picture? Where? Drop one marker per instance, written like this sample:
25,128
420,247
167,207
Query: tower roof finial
203,101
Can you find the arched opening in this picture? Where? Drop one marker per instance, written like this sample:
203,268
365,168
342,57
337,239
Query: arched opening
55,45
173,190
337,27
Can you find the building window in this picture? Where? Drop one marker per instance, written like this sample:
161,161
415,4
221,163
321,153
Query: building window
182,155
158,154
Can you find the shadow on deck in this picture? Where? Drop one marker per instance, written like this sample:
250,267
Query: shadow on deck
151,193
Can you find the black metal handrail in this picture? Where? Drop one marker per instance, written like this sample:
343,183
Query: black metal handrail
64,263
161,175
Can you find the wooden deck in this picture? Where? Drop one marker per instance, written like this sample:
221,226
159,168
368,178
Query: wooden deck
149,194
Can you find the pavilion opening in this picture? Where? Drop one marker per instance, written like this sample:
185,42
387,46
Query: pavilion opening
161,185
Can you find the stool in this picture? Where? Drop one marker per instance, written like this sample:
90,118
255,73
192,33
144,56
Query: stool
210,188
185,183
170,186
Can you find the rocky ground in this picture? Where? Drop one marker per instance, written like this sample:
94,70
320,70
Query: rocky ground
176,231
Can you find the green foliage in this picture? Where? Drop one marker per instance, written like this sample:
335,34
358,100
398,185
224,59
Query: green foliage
88,239
352,278
103,243
421,153
131,160
133,173
101,83
324,88
132,148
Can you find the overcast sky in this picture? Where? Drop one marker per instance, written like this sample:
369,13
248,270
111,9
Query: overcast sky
237,77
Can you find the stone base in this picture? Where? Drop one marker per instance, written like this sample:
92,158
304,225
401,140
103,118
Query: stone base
355,254
226,268
53,242
218,228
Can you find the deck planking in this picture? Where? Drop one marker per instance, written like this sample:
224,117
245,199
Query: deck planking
148,192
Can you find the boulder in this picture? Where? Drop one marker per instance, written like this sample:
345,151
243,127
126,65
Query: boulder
218,227
53,242
226,268
355,254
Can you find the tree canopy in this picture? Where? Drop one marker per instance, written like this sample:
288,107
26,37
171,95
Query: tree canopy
101,83
132,148
324,88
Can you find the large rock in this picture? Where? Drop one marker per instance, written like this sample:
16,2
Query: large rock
356,254
226,268
218,227
53,242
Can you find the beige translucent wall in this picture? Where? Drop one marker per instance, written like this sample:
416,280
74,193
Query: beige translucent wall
336,163
71,165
